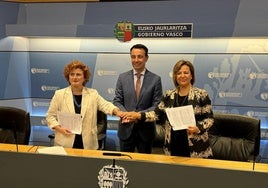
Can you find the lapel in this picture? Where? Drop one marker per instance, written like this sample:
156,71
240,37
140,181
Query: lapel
171,99
128,82
131,76
85,101
191,96
146,80
68,99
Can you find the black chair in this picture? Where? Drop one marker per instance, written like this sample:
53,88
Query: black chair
15,126
235,137
102,129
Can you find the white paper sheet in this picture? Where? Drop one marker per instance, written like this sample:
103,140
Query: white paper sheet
55,150
73,122
181,117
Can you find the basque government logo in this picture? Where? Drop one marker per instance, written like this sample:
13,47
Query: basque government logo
112,176
124,31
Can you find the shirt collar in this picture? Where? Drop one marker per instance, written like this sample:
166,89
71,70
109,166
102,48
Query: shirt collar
142,73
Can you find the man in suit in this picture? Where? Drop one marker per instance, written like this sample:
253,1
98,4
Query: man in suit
137,134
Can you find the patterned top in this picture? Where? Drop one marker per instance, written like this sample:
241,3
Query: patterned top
199,99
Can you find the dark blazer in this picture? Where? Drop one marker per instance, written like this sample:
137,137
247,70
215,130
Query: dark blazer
199,99
125,99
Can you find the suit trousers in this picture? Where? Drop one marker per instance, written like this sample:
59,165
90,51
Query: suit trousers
135,141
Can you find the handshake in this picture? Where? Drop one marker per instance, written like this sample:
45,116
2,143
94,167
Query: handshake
129,117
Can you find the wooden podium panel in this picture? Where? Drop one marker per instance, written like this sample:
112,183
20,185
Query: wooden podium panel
30,169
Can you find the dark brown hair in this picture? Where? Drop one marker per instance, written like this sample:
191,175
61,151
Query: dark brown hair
140,46
177,68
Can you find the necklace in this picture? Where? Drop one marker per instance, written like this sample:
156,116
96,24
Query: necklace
181,100
77,100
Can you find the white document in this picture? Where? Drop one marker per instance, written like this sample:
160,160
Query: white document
73,122
55,150
181,117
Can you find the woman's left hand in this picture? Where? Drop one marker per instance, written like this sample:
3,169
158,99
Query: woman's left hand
193,130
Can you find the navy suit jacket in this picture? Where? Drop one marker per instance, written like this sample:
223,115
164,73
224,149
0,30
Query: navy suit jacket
125,99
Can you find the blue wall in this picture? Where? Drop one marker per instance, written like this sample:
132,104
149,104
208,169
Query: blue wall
233,71
228,48
211,18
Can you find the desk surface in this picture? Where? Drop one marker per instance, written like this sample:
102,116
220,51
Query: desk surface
155,158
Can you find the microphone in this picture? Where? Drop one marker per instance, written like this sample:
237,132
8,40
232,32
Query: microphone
254,161
115,154
111,154
256,150
15,135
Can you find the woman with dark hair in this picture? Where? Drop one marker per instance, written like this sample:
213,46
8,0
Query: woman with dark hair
78,99
191,142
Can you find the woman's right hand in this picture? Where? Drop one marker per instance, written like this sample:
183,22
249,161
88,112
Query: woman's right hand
62,130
